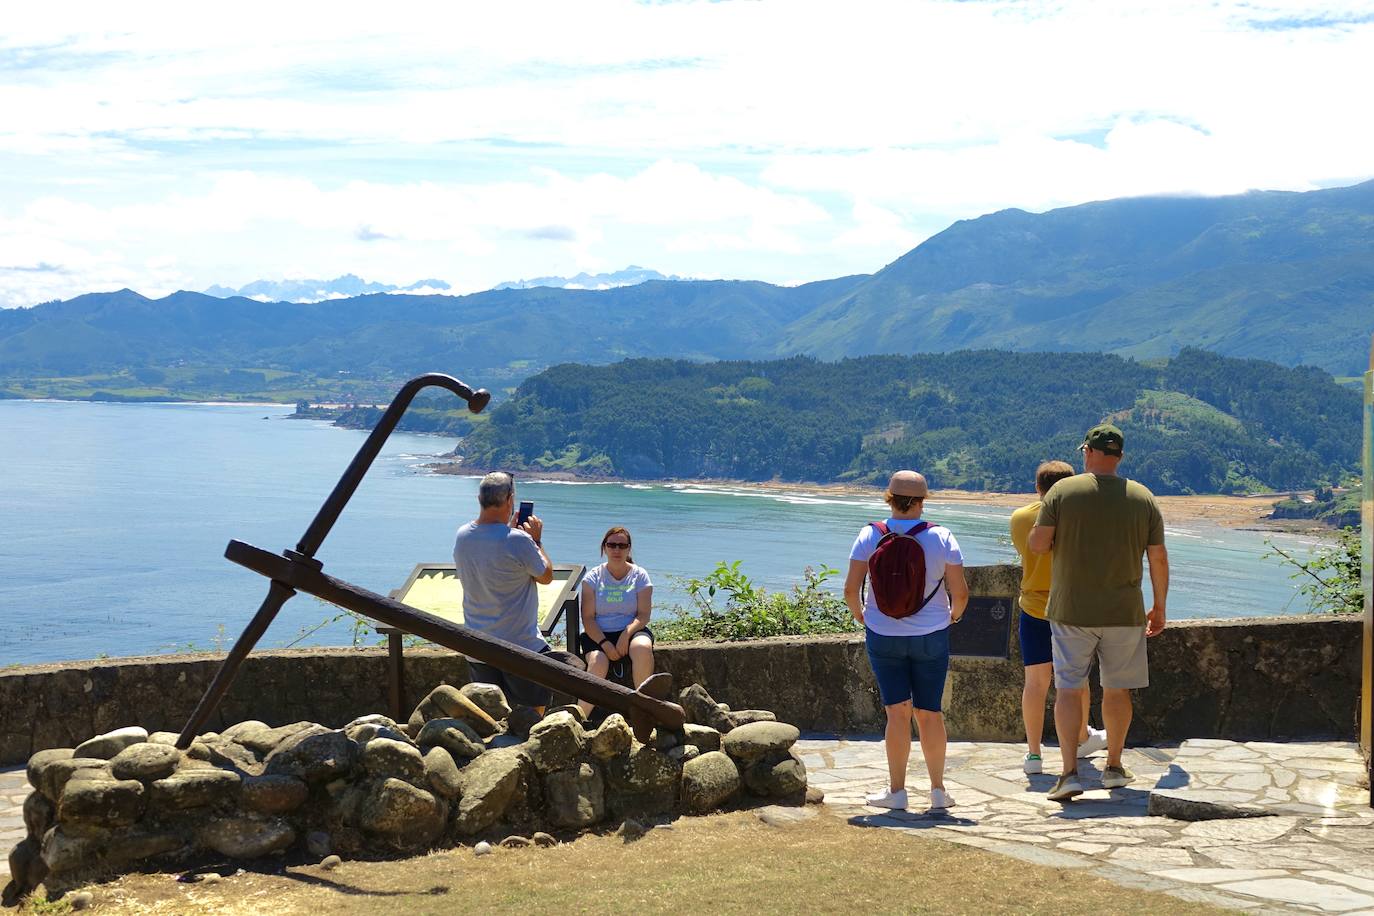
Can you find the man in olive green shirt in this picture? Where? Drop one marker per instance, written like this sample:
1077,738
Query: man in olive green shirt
1099,526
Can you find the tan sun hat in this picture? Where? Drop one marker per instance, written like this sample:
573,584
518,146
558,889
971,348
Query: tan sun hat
907,483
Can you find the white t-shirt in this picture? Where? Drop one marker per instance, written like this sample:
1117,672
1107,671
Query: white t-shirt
617,600
941,550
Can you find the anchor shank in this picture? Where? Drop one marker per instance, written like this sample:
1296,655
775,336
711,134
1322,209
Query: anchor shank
343,491
277,595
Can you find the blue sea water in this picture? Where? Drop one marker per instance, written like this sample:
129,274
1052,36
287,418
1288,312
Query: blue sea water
114,519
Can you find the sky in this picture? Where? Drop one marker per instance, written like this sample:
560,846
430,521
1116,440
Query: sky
175,146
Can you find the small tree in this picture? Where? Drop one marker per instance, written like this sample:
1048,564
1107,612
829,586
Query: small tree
1330,576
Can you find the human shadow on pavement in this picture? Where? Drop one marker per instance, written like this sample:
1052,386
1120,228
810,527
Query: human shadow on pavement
911,820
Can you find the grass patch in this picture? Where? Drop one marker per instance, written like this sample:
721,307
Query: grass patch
729,863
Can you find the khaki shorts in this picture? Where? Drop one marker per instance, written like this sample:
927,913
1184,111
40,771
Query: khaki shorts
1120,653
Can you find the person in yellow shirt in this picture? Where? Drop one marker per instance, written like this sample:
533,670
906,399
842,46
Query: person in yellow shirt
1036,652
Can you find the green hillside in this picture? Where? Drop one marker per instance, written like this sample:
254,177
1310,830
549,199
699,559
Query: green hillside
1280,276
1284,277
973,419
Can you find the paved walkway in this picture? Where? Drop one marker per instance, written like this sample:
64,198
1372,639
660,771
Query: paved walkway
1315,853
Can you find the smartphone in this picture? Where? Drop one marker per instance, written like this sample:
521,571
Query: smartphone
526,510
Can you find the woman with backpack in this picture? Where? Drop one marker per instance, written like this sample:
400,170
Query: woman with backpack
916,589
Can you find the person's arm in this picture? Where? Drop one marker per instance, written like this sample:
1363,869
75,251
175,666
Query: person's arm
853,586
1159,584
535,529
957,587
1042,539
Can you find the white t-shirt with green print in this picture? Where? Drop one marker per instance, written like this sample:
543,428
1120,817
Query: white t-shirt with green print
617,600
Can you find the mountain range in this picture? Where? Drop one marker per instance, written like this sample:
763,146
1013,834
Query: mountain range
319,290
630,276
1282,276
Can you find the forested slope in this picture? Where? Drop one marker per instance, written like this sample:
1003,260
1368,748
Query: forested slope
973,419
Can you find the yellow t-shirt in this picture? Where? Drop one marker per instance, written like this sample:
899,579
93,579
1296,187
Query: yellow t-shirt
1035,567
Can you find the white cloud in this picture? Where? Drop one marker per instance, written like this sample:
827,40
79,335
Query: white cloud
777,140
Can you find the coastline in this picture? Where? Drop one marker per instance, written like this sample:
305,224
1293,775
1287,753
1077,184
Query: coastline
1240,512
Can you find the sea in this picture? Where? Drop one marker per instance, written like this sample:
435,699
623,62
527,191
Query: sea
114,519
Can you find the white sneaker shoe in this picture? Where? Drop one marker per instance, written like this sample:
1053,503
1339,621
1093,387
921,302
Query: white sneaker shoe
1032,765
940,800
892,798
1096,741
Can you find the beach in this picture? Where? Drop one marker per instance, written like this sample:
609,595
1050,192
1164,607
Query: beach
1241,512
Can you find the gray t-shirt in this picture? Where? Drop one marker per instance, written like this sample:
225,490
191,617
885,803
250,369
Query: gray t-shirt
496,565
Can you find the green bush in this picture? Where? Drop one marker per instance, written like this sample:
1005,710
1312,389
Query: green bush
728,605
1330,576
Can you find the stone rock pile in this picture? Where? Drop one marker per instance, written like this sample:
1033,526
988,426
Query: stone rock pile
464,767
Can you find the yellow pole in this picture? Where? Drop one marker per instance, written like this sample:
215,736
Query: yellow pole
1367,571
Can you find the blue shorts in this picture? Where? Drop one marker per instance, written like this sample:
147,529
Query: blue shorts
910,667
1036,647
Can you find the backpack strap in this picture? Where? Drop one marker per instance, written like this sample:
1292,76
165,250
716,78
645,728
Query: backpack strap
917,529
881,528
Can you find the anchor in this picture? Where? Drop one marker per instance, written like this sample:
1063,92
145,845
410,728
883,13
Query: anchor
298,570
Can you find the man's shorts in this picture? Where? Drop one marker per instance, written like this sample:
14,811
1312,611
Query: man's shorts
1120,653
1035,640
910,667
518,691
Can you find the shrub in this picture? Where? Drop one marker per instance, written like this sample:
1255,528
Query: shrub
749,611
1330,575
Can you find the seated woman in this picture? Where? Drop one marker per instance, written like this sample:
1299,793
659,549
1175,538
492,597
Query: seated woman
617,599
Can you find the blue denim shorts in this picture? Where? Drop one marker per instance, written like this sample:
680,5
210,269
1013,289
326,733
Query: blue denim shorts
910,667
1035,641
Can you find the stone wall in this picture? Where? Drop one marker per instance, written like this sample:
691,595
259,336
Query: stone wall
1263,678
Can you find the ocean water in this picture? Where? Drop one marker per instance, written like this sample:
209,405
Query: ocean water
114,519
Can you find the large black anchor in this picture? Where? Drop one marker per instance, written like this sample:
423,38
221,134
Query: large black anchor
298,571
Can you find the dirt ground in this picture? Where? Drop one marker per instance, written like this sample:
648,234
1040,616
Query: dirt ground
727,863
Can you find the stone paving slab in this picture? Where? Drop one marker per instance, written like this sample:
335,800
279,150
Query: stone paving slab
1312,851
1314,854
14,788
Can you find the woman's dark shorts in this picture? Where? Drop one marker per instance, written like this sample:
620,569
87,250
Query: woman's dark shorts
910,667
585,645
518,691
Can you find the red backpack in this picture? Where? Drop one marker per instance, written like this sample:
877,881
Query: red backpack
897,571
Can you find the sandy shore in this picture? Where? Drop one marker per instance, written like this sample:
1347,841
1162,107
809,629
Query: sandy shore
1229,511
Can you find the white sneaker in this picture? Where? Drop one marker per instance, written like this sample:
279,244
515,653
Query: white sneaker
1032,765
892,798
940,800
1096,741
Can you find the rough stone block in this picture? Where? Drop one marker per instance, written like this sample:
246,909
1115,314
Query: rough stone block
145,761
102,801
488,698
247,837
384,757
273,794
111,743
575,797
489,785
708,782
194,788
759,739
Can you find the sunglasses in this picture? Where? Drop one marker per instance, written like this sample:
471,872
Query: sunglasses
616,545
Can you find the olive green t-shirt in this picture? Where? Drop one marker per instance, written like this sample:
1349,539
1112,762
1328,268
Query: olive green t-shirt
1102,525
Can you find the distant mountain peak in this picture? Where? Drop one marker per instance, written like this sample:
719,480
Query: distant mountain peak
343,287
632,275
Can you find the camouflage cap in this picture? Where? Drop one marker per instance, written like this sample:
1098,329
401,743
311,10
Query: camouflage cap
1104,438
